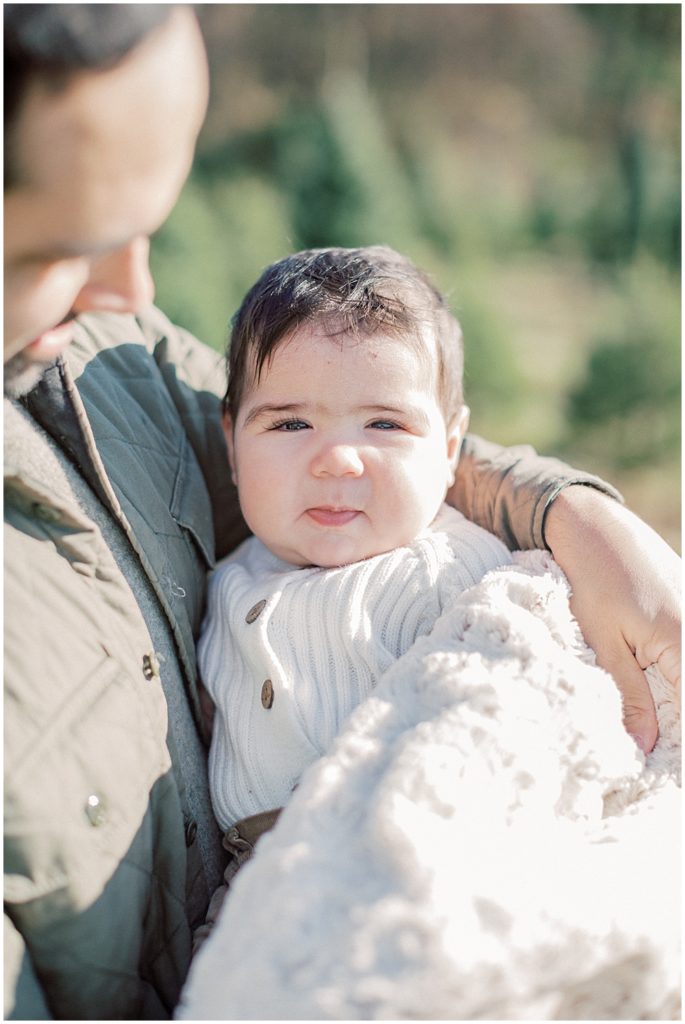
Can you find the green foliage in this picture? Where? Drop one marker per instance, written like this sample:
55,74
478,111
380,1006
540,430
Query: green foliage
528,156
629,395
623,379
494,382
212,248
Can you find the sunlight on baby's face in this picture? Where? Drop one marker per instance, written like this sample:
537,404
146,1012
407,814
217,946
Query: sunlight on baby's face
341,451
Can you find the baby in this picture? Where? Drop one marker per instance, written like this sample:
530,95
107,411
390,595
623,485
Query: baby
344,418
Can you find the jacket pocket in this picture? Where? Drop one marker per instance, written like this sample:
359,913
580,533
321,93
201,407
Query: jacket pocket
75,803
191,506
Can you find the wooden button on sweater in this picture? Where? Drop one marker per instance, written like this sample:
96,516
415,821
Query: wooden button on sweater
267,694
255,611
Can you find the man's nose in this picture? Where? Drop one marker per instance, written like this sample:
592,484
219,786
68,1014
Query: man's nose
120,282
336,459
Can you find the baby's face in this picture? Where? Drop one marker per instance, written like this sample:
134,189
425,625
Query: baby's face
341,450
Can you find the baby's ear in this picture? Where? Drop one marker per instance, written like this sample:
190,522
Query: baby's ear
456,429
227,424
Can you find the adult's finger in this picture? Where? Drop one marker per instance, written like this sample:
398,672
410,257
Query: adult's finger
639,713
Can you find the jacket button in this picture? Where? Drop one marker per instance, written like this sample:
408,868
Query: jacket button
255,611
150,665
267,694
191,832
95,810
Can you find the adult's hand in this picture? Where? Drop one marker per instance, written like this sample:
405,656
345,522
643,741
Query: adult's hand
625,584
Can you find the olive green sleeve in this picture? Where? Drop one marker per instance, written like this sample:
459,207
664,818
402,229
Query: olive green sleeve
509,490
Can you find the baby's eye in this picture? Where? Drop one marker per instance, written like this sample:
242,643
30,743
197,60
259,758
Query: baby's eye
290,425
384,425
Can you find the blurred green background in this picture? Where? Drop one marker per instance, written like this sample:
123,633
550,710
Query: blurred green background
527,156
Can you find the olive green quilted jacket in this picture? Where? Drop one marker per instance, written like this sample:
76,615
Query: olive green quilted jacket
95,854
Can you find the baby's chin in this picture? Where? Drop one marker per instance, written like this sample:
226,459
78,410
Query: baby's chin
339,555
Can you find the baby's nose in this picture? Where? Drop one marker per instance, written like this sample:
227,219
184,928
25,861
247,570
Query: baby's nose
338,460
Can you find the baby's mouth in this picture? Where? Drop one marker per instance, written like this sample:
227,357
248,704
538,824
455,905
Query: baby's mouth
329,516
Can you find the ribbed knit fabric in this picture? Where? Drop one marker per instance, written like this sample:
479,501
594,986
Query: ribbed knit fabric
285,677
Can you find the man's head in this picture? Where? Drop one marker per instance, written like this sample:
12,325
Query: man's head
344,414
345,291
103,107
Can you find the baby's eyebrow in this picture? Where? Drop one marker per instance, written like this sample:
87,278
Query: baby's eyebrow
394,410
270,409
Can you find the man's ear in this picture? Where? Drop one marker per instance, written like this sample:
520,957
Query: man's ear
456,429
227,424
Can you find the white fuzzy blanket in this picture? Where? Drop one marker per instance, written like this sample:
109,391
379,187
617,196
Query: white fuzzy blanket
483,842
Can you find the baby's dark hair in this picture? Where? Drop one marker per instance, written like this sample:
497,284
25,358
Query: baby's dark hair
357,291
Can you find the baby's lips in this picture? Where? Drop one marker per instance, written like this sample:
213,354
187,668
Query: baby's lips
327,516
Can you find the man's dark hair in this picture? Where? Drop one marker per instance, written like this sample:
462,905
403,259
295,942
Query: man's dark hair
51,42
356,291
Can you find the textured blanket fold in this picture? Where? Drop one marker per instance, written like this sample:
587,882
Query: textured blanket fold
483,841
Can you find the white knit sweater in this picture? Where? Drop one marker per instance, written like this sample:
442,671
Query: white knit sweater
288,653
484,841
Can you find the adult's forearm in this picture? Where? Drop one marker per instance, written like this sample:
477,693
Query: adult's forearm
509,490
